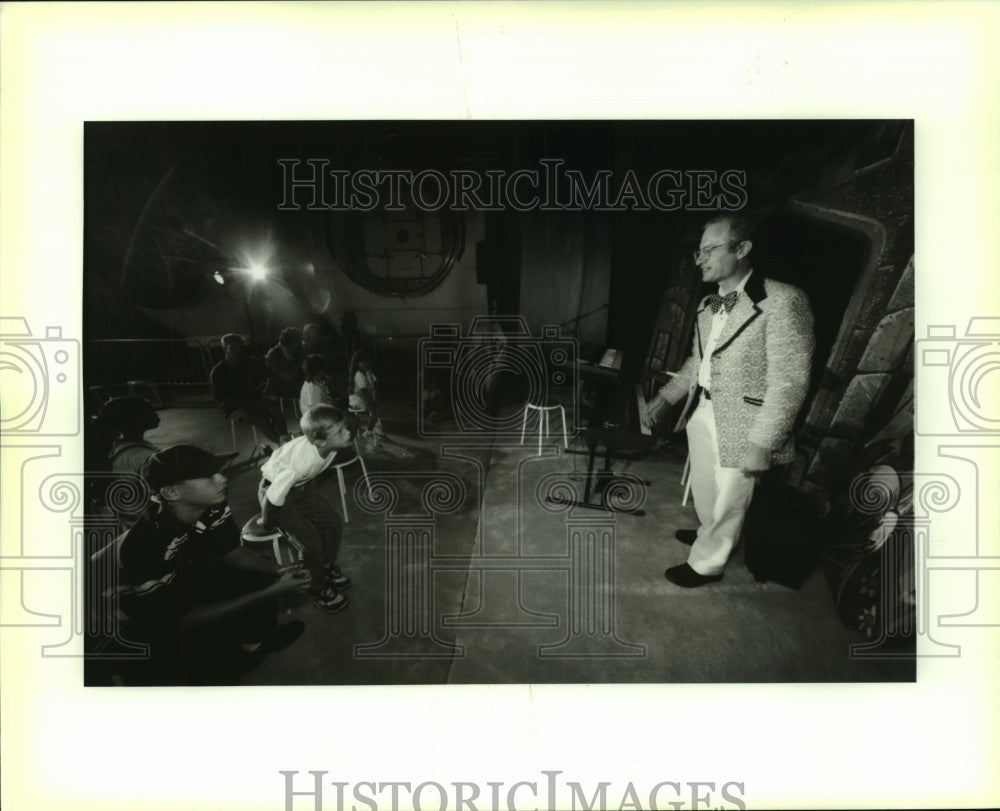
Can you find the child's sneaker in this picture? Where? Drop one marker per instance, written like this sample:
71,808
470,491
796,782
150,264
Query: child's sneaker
331,601
335,578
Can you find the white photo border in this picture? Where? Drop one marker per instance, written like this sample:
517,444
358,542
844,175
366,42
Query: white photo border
930,744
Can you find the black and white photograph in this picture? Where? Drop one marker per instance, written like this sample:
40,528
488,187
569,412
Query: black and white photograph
538,405
469,355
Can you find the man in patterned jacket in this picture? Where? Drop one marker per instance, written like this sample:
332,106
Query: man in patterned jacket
745,382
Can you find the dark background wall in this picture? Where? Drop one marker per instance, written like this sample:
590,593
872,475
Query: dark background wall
166,202
170,206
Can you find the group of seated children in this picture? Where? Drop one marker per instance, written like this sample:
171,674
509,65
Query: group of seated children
319,386
302,367
241,385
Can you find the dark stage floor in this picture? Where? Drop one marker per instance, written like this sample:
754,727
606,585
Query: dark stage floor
463,572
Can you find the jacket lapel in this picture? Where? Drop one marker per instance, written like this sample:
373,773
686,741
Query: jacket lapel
745,311
742,314
704,325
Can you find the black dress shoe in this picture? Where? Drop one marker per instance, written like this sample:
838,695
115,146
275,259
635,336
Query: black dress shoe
688,578
686,536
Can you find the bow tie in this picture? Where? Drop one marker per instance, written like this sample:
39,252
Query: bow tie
715,301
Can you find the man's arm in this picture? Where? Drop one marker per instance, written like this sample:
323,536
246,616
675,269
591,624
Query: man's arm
756,461
788,344
675,389
289,583
243,558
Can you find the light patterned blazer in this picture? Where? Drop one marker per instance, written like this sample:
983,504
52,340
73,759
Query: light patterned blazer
759,370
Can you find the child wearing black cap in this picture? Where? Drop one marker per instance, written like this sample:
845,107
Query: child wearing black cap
205,605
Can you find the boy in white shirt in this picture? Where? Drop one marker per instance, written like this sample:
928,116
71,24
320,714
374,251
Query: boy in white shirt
293,497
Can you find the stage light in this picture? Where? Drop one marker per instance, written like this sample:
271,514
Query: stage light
255,262
257,272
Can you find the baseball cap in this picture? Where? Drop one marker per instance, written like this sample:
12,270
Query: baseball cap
178,463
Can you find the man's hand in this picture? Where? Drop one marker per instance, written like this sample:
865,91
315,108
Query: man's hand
755,462
650,411
295,581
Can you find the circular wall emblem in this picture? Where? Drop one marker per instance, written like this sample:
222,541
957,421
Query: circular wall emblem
396,253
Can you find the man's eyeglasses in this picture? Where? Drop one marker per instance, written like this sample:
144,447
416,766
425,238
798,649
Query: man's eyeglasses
704,253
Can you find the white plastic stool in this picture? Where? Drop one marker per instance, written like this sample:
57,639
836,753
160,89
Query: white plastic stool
543,423
253,533
340,478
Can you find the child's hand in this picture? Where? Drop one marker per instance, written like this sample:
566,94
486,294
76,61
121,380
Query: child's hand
267,510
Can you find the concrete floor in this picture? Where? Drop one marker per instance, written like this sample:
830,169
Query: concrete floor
464,573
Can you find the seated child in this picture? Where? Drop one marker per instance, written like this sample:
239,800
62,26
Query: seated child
293,495
361,392
136,416
315,388
115,441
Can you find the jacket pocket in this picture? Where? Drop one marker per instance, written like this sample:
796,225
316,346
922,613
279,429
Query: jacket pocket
755,401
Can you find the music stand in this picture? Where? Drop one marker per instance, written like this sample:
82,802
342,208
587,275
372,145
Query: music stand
617,445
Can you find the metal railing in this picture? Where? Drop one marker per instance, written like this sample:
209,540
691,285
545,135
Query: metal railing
180,362
184,365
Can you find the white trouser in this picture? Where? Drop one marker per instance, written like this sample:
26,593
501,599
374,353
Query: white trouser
721,495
